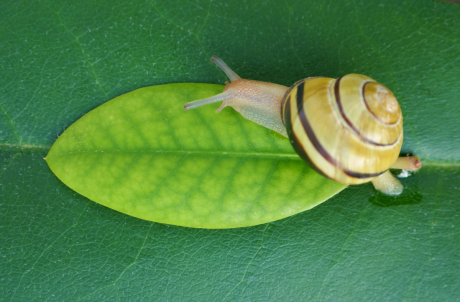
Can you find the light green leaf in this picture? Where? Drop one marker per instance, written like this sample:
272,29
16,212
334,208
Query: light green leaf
144,155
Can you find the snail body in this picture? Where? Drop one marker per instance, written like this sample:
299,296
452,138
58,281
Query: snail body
348,129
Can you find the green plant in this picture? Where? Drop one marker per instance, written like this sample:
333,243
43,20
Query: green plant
60,60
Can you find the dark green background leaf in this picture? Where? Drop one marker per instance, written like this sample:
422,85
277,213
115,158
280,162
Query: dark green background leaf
62,59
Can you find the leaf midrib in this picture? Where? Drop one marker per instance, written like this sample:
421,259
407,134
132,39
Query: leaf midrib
8,147
204,153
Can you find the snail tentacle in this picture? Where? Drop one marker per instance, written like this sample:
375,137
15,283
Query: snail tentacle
221,64
214,99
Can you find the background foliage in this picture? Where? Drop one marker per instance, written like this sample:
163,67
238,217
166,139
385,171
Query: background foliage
61,59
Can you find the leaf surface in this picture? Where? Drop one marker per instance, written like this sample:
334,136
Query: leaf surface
144,155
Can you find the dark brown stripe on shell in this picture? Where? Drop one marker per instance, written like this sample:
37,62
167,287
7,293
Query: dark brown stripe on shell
295,141
287,93
287,117
308,130
315,142
339,105
361,175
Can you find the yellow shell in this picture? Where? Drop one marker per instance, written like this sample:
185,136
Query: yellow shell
348,129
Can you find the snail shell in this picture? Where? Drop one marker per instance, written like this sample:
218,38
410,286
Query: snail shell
348,129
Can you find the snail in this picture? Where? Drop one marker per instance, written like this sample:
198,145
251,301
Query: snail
348,129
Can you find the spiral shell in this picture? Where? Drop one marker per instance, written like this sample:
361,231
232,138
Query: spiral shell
348,129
